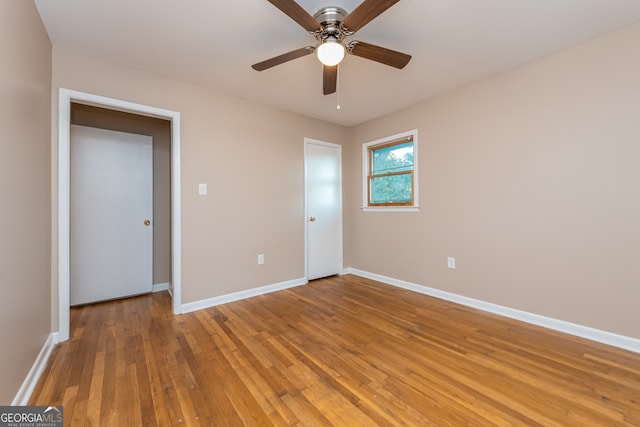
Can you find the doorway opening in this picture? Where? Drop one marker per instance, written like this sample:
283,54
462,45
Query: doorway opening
87,109
159,130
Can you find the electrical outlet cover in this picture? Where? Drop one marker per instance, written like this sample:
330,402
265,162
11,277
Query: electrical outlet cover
451,262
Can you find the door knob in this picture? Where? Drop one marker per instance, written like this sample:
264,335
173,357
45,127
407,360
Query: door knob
312,219
147,222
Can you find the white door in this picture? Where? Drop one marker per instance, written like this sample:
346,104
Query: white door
111,215
323,163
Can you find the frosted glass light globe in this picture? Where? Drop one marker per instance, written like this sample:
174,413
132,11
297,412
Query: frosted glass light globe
330,52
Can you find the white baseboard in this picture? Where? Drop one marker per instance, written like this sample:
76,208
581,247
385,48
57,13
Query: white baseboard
236,296
29,384
589,333
159,287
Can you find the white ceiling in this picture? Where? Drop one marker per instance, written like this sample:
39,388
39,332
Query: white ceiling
213,44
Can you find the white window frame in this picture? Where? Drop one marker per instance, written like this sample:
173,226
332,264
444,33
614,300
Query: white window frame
365,174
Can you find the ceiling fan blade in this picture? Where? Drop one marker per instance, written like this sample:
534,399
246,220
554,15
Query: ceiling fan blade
378,54
285,57
294,11
365,13
329,79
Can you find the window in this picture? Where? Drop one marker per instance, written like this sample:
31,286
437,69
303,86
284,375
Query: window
390,177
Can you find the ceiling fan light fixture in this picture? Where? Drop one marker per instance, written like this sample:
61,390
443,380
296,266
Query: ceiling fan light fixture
330,25
330,52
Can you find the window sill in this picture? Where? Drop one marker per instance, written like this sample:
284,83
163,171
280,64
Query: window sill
390,208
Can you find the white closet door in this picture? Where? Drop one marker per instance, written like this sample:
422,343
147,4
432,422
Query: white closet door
324,209
111,214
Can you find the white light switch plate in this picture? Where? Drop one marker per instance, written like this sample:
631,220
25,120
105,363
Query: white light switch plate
202,189
451,262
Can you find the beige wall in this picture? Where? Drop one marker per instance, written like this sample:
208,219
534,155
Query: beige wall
251,157
160,131
531,179
25,171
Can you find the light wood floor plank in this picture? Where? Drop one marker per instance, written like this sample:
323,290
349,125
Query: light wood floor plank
342,351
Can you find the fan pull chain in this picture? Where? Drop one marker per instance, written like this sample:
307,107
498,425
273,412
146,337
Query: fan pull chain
338,87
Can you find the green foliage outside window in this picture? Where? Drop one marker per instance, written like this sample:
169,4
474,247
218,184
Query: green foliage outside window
391,174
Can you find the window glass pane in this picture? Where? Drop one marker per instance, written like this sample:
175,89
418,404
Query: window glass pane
391,189
394,158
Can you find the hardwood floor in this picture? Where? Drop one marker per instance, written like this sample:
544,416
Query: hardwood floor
342,351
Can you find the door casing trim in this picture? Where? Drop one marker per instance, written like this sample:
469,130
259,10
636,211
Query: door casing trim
65,97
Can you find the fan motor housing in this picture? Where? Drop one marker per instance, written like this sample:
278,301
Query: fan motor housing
330,19
330,15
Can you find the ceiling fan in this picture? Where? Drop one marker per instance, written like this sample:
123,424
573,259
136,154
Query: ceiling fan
330,25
